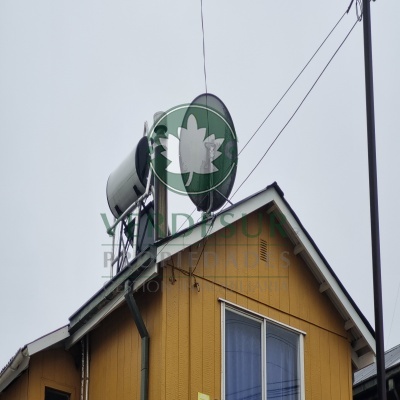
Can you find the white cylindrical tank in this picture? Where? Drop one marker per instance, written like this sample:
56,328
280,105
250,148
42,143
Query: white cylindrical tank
128,182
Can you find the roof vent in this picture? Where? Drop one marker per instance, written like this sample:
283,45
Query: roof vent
263,250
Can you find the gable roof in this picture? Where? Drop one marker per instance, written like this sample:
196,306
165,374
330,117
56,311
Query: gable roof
363,340
145,267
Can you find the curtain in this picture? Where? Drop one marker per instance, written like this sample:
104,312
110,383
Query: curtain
242,357
283,380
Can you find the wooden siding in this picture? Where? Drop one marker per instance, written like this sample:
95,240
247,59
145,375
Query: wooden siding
227,265
56,369
115,351
53,368
18,390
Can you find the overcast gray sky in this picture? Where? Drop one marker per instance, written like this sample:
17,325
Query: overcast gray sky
79,78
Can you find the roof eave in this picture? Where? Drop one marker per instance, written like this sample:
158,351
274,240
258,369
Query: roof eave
20,362
142,269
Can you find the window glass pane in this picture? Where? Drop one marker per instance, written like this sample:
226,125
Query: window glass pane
52,394
242,357
283,375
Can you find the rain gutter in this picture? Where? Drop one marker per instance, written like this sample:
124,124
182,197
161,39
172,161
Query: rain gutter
20,362
16,366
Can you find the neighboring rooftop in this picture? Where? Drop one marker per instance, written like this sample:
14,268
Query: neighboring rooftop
392,359
20,362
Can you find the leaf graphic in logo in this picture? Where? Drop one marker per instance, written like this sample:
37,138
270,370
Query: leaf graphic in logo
197,151
171,153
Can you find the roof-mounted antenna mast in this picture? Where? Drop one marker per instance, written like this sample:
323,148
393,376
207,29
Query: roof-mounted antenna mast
160,189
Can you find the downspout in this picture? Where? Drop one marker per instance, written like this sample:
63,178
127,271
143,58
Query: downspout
82,369
141,327
87,368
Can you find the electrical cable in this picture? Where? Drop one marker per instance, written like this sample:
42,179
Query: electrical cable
205,242
394,312
205,83
297,109
359,9
287,90
204,46
294,81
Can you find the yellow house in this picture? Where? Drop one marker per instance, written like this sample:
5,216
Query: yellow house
241,306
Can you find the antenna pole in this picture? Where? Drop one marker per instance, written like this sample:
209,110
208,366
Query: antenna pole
113,253
374,210
160,190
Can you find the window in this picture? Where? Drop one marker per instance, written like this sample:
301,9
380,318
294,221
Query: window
52,394
262,359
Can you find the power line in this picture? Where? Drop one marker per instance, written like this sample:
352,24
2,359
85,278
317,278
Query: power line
205,84
394,311
295,111
295,80
204,46
287,123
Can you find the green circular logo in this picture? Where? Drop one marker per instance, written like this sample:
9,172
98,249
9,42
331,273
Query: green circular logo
194,149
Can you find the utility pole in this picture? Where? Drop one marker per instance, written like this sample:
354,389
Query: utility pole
374,211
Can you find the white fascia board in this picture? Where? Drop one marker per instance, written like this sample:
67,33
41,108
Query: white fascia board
142,279
48,340
166,250
95,320
148,274
363,361
324,271
250,312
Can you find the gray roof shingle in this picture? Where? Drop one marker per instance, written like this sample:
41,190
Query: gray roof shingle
392,358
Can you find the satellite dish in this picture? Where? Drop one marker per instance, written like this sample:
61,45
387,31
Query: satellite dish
208,152
128,182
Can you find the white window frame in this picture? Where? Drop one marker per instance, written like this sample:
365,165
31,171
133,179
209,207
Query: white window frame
227,305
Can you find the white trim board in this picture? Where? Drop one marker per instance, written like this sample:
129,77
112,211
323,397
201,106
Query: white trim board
273,321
